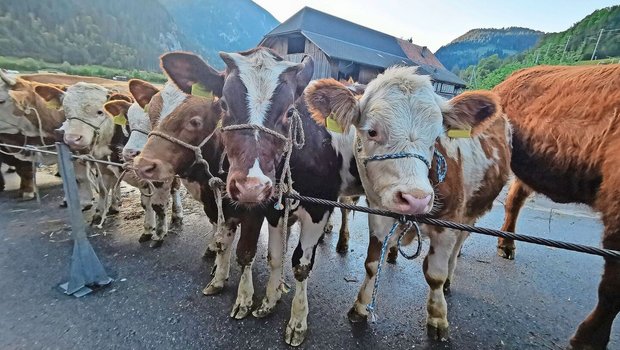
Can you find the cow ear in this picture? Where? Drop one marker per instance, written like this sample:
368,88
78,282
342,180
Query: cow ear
10,81
304,75
472,110
120,97
52,95
188,71
142,91
117,107
329,99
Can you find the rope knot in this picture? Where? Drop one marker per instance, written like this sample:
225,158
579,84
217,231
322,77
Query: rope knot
216,183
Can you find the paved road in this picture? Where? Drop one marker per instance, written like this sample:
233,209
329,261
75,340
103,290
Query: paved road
534,302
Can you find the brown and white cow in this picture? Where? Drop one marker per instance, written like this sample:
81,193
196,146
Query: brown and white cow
399,112
154,200
261,88
566,146
191,120
89,130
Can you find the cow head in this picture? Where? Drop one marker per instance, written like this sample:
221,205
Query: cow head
400,112
85,116
259,88
191,122
6,104
135,115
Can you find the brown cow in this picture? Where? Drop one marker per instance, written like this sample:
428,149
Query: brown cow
576,160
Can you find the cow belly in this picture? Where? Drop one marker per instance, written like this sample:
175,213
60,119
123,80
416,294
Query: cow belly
562,184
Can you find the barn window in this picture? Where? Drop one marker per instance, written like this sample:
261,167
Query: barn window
447,88
296,44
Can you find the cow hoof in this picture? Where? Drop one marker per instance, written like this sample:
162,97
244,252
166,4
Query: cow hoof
506,252
241,311
113,211
63,204
265,309
328,228
176,222
446,287
438,333
209,254
295,333
28,196
95,220
578,345
392,257
156,243
145,237
212,289
356,317
342,248
87,207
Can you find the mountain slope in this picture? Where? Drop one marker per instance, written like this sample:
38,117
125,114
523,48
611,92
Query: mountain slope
232,25
476,44
115,33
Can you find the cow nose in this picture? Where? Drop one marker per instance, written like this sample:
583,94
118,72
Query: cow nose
73,139
130,154
249,190
146,168
413,203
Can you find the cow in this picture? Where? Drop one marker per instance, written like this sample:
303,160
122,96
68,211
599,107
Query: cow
88,130
191,121
154,199
565,146
261,89
399,113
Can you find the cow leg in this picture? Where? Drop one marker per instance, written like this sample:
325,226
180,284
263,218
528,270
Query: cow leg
517,194
274,257
149,219
2,183
595,330
26,185
223,241
107,195
436,270
329,226
343,237
177,206
379,229
159,202
303,260
246,251
460,239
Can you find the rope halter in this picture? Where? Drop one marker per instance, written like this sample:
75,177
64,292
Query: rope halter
442,165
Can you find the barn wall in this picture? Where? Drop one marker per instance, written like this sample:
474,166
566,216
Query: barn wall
322,68
367,74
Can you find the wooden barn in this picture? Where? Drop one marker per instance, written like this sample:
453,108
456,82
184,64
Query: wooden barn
345,50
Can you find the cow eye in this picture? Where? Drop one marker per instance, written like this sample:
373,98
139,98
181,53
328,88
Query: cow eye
372,133
195,122
290,112
2,102
99,112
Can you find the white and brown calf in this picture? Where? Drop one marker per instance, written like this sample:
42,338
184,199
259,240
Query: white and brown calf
154,201
399,112
89,130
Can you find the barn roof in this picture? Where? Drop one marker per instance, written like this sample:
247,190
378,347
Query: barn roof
344,40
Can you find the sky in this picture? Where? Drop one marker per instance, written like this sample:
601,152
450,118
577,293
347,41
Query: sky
434,23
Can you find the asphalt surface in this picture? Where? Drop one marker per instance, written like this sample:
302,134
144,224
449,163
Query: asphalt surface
533,302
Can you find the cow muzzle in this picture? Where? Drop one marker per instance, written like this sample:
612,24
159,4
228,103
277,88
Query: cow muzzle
75,141
130,154
249,190
152,169
412,203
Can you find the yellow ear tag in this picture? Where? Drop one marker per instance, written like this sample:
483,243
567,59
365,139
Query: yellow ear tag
332,125
52,104
201,91
459,133
120,119
219,124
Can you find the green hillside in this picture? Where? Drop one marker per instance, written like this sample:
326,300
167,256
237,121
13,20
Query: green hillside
476,44
571,46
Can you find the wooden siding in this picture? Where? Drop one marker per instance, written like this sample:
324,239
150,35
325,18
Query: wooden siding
322,67
367,74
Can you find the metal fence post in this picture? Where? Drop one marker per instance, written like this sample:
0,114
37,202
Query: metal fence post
86,269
